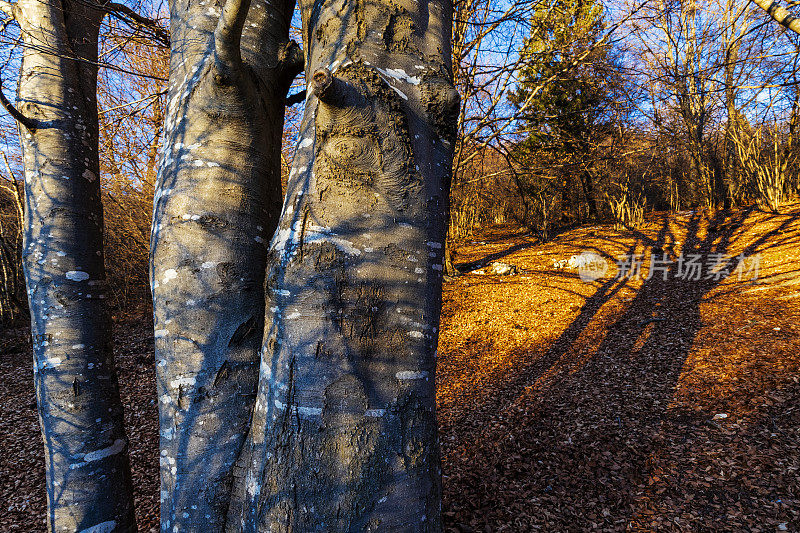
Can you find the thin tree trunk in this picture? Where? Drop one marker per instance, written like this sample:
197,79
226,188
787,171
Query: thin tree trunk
567,204
344,427
731,168
588,191
217,203
87,467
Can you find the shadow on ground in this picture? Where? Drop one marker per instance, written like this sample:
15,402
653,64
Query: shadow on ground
603,427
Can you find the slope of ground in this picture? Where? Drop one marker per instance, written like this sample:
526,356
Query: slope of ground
666,404
625,404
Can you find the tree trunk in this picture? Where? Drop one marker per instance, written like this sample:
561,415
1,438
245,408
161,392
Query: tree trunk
87,468
588,192
344,427
567,204
729,174
217,203
780,15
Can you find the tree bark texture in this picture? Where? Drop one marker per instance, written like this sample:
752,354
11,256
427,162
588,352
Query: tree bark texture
217,202
344,427
782,16
87,467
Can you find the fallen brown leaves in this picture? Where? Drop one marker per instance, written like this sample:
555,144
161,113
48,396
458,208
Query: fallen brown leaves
22,495
635,405
563,405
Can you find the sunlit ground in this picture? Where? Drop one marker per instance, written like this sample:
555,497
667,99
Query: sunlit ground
564,406
625,404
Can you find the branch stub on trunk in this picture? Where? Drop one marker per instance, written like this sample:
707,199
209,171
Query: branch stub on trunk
328,88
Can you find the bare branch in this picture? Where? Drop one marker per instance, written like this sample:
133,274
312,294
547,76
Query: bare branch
7,8
15,113
291,59
295,98
133,18
228,34
328,88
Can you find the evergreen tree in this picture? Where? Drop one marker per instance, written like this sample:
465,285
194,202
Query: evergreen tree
566,101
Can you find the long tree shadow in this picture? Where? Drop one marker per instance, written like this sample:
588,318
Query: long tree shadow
604,407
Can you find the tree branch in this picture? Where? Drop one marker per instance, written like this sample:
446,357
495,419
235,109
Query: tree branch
780,15
328,88
228,34
7,8
15,113
291,59
295,98
133,18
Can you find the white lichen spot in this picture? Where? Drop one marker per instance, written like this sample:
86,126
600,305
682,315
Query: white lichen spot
159,333
305,143
78,346
77,275
114,449
415,334
182,380
253,487
50,362
103,527
400,74
309,411
292,316
411,374
170,274
399,92
208,264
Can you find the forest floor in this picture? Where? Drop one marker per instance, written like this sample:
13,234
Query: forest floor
617,404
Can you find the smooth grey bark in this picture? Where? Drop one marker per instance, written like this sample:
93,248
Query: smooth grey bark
87,467
217,202
779,14
344,429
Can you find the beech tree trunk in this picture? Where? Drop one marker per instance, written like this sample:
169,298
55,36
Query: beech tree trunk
217,202
344,427
87,468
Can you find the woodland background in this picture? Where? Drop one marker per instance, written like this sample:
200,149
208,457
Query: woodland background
572,111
